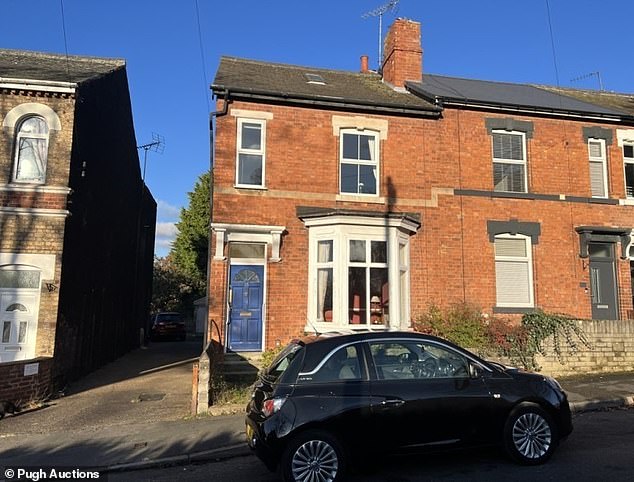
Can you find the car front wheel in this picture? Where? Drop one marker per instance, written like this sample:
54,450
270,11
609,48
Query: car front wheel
313,456
530,436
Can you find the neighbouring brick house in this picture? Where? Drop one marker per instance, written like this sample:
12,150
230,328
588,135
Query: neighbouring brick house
76,219
347,200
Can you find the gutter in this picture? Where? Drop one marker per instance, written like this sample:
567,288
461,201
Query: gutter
537,111
41,85
339,102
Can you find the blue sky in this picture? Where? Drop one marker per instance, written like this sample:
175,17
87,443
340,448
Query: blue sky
169,74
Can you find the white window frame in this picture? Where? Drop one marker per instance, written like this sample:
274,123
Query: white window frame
528,260
366,265
522,162
342,229
604,166
16,147
361,162
628,161
257,152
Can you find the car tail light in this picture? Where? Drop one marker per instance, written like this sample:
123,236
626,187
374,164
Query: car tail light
272,405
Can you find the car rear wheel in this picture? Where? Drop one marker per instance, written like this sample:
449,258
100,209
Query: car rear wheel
313,456
530,436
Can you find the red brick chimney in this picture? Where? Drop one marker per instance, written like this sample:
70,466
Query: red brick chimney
402,53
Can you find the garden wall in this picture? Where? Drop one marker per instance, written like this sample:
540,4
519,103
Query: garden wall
611,350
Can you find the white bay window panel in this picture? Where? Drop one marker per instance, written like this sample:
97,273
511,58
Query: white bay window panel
354,272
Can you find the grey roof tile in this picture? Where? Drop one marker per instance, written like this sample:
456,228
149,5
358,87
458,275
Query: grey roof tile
611,100
25,64
290,81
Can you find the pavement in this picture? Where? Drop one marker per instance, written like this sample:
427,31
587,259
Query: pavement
135,413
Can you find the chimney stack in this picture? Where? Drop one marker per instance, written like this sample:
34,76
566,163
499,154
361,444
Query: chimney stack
402,53
364,64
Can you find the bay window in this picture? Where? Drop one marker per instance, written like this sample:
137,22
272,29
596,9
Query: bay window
357,265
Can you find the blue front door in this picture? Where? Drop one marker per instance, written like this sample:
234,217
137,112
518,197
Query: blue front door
245,308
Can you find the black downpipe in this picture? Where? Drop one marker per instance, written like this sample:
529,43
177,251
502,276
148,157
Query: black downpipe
216,114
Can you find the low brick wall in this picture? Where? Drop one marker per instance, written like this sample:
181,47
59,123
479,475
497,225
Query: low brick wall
26,381
612,350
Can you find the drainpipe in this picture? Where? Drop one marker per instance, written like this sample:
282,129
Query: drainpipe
216,114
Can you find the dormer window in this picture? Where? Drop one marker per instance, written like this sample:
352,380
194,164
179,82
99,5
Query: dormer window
31,150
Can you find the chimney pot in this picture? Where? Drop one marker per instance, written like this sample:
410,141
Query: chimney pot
364,64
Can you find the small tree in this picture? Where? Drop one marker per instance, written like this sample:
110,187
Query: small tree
171,290
189,253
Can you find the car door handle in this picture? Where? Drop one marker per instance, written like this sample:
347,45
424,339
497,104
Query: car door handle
391,403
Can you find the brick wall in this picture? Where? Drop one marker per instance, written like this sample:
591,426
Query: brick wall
18,387
612,350
424,165
92,311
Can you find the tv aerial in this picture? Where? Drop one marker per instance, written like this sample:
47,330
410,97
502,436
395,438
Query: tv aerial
379,12
587,76
157,145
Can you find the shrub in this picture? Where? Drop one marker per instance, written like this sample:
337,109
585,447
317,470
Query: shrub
467,326
269,355
461,323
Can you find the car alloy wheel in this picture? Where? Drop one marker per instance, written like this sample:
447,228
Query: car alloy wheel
530,435
314,456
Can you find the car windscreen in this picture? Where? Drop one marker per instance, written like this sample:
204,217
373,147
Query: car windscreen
282,362
170,318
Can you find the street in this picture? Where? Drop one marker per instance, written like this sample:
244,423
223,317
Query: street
600,448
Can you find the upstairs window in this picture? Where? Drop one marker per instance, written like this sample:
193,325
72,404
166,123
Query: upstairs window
598,168
31,151
509,161
251,153
628,158
359,162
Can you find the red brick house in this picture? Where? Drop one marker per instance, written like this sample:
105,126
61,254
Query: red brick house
75,261
346,200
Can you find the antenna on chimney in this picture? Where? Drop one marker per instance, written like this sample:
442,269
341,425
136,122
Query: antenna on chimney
596,74
379,12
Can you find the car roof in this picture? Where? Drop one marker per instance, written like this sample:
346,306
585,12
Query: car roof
342,337
319,346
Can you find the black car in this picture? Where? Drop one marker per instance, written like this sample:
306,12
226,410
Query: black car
329,401
168,325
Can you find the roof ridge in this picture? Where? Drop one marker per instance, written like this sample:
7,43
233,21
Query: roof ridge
297,67
57,56
586,91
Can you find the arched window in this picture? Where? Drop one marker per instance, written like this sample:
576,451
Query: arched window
31,150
